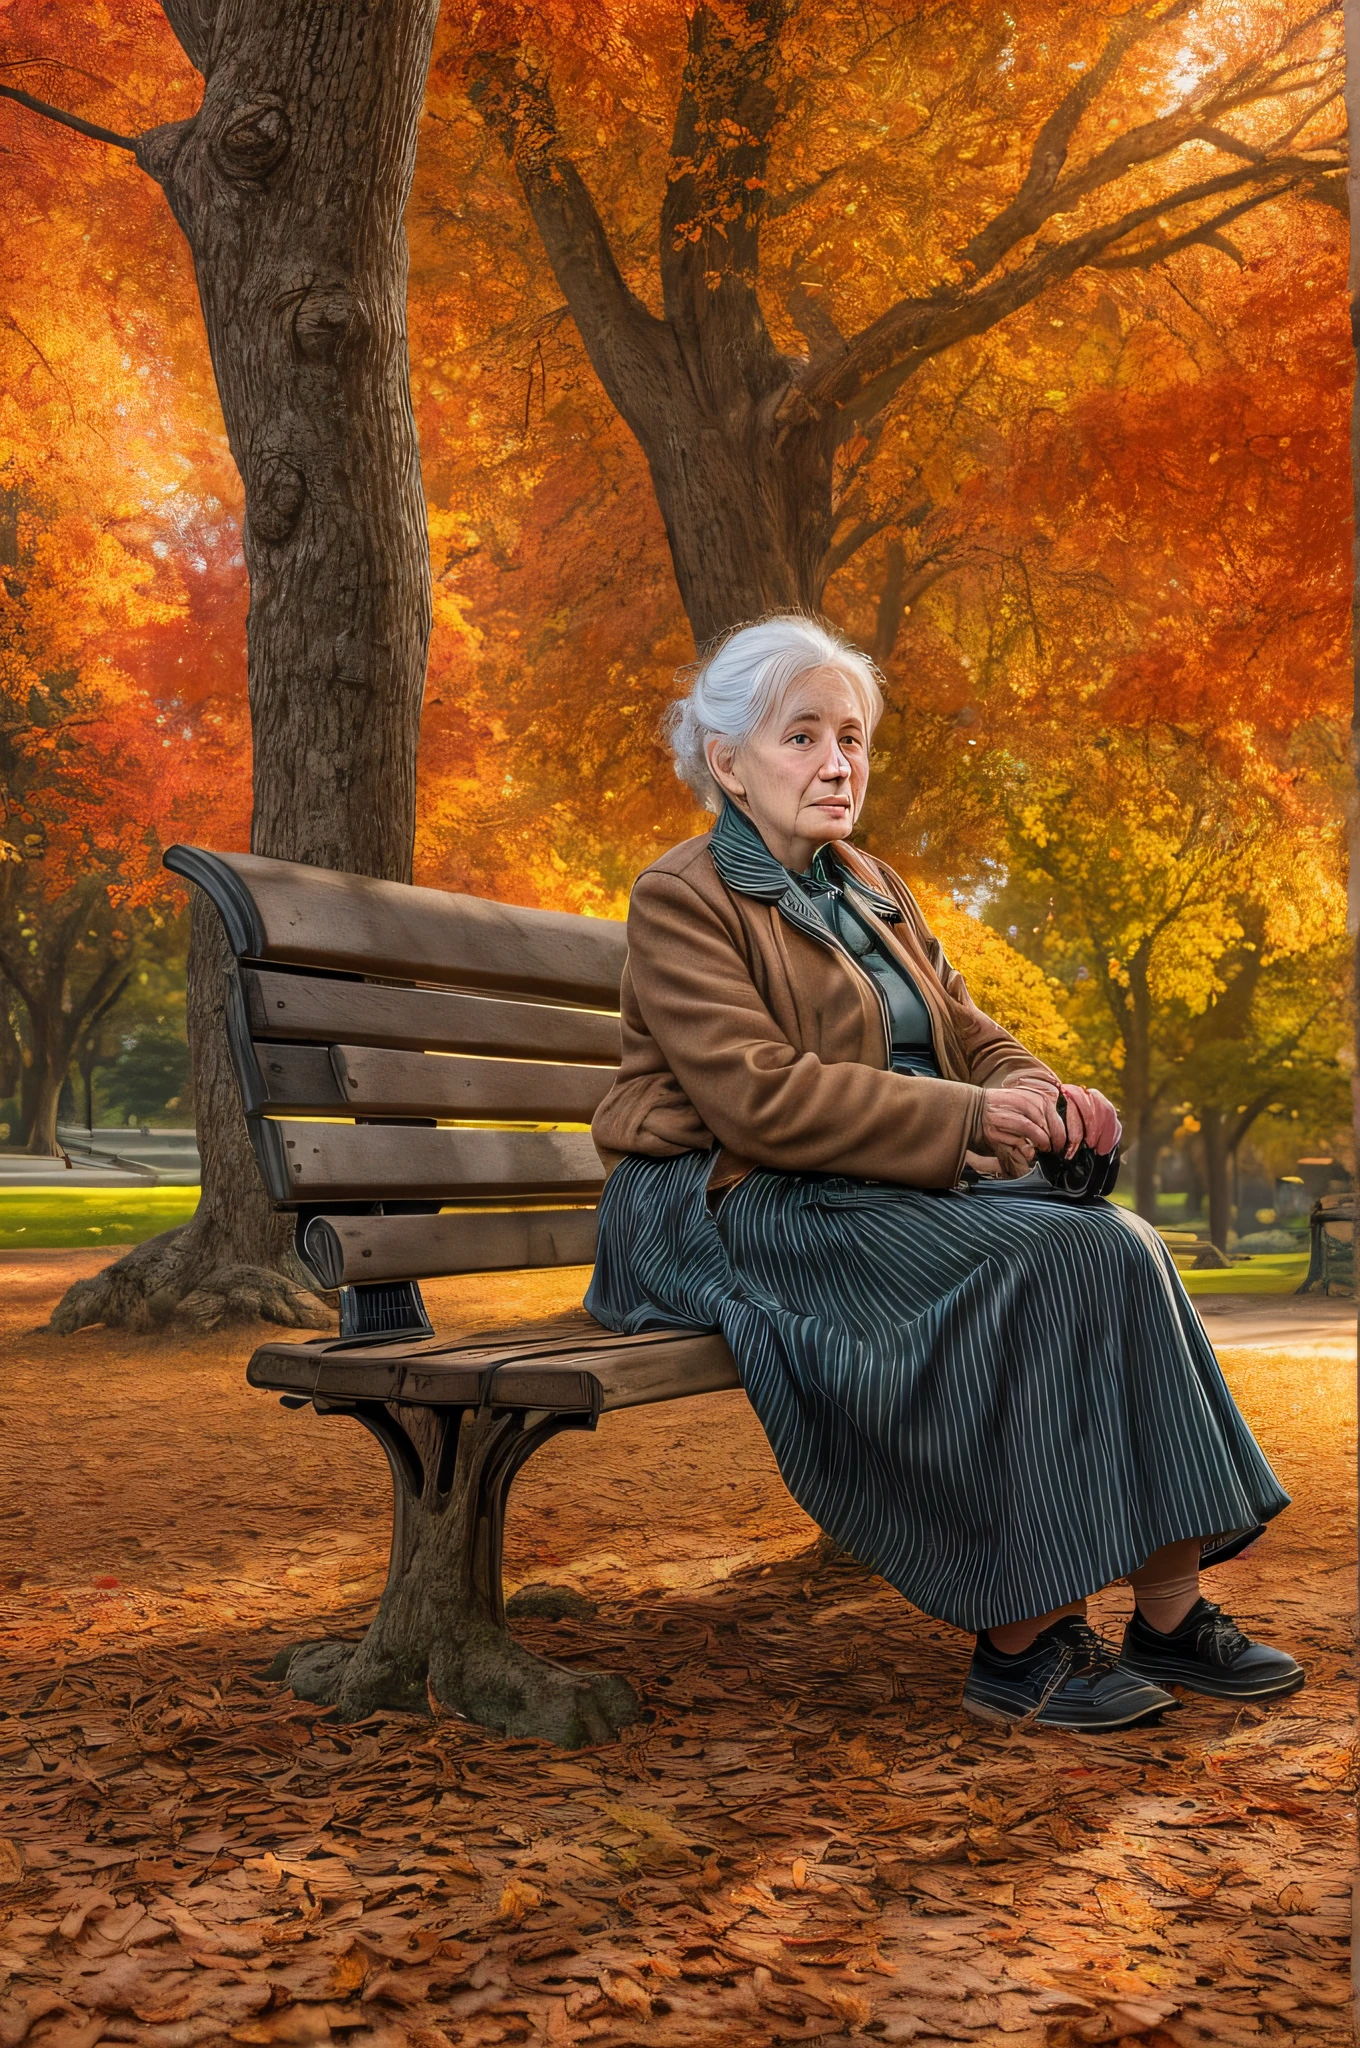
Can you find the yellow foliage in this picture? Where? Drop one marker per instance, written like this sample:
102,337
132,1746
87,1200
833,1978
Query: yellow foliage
1001,981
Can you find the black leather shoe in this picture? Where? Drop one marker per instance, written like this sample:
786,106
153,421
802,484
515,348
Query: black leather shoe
1208,1653
1067,1678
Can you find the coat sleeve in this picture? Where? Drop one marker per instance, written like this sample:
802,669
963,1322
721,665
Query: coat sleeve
995,1059
759,1096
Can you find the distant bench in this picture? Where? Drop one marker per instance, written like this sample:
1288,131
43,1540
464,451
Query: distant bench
347,998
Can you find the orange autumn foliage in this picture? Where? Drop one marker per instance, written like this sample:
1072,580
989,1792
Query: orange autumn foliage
1121,508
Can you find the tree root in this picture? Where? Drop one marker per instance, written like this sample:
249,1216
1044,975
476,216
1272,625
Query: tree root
173,1279
483,1675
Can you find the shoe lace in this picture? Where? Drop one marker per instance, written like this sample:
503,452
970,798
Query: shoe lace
1219,1638
1082,1653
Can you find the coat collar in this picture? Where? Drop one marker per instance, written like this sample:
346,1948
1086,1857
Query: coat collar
745,863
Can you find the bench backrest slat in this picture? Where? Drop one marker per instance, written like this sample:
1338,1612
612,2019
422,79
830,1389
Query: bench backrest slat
284,911
351,1250
326,1009
373,1027
362,1080
375,1082
305,1163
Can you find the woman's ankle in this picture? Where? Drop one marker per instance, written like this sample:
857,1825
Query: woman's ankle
1166,1585
1166,1616
1012,1638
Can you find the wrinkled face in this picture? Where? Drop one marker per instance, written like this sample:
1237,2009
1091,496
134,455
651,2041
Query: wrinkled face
801,775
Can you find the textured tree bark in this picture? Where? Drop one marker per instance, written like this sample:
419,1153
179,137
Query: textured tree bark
1218,1175
289,184
440,1631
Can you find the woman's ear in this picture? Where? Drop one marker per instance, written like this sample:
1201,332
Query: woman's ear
719,753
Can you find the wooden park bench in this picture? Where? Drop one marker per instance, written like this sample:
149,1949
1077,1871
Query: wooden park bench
403,1057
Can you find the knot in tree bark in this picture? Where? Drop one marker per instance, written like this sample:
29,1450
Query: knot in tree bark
275,498
253,140
158,148
328,320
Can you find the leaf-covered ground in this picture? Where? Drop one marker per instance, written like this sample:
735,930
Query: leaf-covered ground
804,1840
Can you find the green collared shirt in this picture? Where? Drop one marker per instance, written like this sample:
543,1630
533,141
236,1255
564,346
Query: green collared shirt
827,900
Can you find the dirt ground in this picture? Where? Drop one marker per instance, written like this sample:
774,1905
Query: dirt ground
803,1840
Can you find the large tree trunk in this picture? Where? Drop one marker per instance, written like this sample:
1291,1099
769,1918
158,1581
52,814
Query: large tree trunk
747,513
290,184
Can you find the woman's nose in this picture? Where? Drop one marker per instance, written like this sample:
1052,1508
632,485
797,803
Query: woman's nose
835,767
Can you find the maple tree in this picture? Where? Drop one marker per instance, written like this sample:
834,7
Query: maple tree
992,160
288,181
1125,514
95,770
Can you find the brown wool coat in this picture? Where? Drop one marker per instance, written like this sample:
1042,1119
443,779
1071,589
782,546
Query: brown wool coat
737,1027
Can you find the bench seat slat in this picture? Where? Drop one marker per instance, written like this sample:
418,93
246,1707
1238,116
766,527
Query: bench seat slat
377,1082
350,1250
629,1372
326,1009
305,1163
285,911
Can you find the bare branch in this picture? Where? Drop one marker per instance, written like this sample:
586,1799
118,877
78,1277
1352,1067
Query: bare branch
865,530
864,376
1231,145
65,120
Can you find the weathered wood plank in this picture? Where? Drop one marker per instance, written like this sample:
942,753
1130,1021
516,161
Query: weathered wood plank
349,1250
373,1081
630,1372
296,1077
319,1162
326,1009
283,910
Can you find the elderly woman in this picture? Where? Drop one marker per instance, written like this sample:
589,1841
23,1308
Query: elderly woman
1000,1400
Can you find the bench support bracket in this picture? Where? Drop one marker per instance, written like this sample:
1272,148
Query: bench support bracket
440,1630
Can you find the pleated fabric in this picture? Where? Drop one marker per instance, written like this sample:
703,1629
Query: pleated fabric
999,1402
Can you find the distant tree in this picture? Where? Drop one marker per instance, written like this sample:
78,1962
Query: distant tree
89,778
1268,1047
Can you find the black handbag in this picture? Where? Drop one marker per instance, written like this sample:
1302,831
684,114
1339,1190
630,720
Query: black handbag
1088,1176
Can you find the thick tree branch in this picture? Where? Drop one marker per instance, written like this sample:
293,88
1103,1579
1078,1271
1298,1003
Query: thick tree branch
1033,203
812,319
715,192
621,337
865,376
192,22
65,120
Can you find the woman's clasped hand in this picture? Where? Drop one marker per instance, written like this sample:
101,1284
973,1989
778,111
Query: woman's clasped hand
1020,1121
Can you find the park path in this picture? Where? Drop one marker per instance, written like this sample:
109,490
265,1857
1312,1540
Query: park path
806,1841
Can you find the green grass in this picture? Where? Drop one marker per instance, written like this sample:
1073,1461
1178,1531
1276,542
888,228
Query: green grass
36,1219
1264,1273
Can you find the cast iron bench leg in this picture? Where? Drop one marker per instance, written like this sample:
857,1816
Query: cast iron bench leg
441,1620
